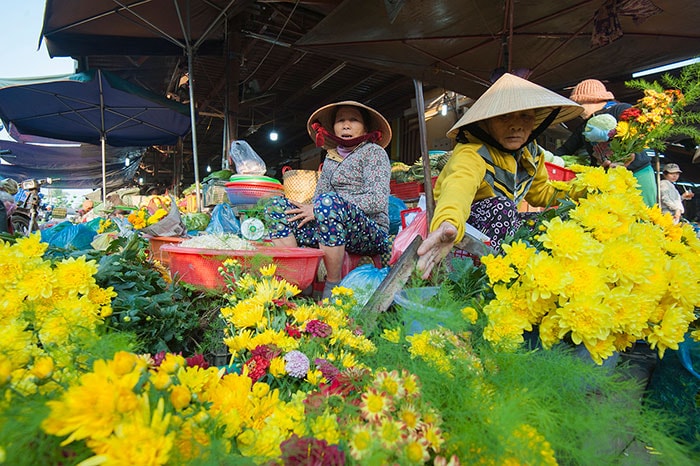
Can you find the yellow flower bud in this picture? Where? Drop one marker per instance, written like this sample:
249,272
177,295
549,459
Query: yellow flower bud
43,367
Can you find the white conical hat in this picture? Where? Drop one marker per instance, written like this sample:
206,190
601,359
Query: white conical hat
512,94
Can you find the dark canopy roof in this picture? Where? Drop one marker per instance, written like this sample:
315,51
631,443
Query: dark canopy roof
287,58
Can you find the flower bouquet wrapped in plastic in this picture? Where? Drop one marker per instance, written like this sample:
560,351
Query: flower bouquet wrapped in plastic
159,219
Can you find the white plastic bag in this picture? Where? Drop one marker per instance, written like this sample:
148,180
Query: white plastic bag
246,160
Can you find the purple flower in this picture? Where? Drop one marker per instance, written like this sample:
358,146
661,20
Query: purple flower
297,364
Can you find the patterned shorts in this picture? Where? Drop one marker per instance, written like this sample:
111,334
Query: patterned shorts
497,217
337,223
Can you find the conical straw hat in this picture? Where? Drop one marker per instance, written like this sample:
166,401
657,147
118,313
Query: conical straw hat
324,115
512,94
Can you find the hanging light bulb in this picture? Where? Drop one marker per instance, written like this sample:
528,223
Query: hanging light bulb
127,162
444,106
208,168
273,135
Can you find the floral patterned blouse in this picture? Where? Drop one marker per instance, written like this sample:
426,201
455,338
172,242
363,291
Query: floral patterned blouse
362,178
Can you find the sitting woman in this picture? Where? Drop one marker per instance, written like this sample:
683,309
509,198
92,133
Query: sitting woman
495,164
350,207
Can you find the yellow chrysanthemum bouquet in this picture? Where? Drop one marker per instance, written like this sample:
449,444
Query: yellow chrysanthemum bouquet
144,217
603,270
161,217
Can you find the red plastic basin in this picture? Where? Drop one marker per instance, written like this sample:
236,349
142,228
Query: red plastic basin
200,267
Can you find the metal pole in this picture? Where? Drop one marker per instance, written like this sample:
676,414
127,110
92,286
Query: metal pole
103,143
427,180
195,157
658,176
103,139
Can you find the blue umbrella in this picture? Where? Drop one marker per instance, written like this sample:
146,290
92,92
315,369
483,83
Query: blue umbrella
93,107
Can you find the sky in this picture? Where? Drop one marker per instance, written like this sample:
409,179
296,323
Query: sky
20,30
20,57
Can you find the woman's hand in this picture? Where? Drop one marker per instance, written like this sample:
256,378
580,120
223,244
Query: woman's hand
687,195
304,213
435,247
677,216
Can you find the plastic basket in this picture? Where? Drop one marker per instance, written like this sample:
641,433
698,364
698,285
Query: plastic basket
559,173
200,267
251,195
406,191
214,192
155,244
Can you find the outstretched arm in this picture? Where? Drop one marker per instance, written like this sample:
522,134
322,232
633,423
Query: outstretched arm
435,247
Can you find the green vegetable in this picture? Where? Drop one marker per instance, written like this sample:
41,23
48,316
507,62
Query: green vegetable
219,175
196,221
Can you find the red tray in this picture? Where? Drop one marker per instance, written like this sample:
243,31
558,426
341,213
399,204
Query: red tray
559,173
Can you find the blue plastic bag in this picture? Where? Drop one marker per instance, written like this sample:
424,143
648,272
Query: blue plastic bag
396,205
687,349
363,281
67,235
223,220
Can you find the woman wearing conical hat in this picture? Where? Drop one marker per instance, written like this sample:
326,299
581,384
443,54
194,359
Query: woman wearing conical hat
495,164
350,207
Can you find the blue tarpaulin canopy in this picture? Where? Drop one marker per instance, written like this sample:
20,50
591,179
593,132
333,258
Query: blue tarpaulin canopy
70,166
94,107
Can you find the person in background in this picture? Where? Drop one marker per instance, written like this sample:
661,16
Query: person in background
350,207
86,211
595,99
8,189
495,164
671,201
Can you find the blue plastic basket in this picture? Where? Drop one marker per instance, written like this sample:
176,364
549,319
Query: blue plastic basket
251,195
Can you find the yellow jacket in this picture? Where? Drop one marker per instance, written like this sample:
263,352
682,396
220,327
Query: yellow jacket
477,171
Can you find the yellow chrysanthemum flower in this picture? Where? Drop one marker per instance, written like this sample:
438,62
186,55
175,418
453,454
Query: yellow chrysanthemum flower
392,335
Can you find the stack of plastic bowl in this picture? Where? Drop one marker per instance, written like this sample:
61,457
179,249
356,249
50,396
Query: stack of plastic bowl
244,190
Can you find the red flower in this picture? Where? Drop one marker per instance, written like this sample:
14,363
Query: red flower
292,331
197,360
268,352
630,114
257,367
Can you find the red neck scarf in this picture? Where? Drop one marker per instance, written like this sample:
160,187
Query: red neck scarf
322,133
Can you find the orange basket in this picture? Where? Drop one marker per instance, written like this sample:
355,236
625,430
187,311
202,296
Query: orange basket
558,173
156,242
200,267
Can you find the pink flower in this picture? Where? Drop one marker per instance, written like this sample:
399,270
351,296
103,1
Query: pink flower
318,329
328,370
310,452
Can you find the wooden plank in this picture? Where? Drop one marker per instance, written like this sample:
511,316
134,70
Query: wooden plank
399,274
